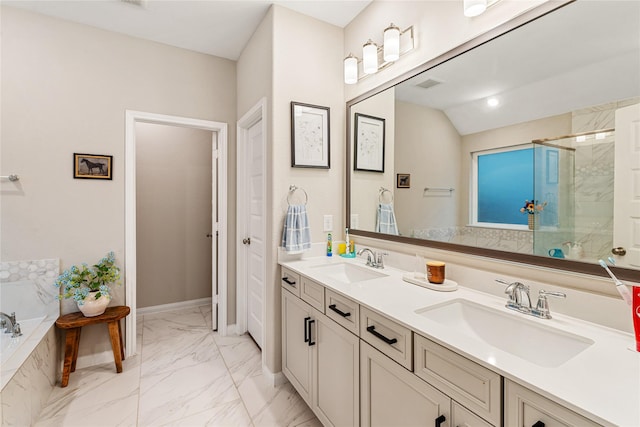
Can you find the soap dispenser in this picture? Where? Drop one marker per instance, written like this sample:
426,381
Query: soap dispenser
575,250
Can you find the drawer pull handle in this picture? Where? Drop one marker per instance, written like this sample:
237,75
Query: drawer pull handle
441,419
538,424
288,282
372,329
306,329
340,312
311,321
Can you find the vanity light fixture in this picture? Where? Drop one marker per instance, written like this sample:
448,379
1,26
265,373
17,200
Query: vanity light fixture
370,57
375,58
350,69
474,7
391,43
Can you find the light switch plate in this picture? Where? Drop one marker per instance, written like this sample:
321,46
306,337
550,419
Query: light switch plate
328,223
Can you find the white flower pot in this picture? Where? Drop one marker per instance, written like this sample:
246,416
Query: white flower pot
94,307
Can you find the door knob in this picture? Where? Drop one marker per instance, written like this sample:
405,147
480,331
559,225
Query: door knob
209,235
247,241
619,251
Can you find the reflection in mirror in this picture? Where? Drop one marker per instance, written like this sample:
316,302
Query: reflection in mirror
511,145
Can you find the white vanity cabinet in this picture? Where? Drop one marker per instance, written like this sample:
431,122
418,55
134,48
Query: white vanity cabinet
394,396
525,408
321,359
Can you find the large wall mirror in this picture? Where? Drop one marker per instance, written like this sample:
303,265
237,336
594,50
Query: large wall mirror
518,145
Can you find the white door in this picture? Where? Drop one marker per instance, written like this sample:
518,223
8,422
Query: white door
254,240
626,200
213,235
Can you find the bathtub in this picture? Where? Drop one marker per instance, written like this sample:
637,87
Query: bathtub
26,288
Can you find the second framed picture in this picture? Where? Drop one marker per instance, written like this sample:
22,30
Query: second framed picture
369,143
309,136
403,180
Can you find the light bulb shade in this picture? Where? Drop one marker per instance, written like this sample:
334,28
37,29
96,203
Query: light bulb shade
474,7
350,70
391,43
370,57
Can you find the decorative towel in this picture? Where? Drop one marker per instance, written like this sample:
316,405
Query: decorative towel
296,236
386,221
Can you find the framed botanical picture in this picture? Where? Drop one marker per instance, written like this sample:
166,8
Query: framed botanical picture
369,143
403,180
309,136
92,166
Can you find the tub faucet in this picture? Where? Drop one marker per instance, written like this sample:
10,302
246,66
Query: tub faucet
8,322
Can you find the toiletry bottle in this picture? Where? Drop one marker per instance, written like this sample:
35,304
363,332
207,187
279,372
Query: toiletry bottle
352,247
329,245
346,239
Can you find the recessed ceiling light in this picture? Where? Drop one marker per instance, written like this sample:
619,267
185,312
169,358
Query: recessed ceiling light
493,102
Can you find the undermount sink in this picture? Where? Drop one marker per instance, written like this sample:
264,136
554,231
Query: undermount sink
520,337
348,273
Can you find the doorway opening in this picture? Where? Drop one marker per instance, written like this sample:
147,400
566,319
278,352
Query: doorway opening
217,225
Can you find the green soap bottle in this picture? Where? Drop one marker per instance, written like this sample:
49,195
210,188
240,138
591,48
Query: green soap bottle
329,245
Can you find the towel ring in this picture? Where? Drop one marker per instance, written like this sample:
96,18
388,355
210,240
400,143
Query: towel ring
381,195
292,190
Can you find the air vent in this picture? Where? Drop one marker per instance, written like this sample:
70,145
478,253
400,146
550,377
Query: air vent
429,83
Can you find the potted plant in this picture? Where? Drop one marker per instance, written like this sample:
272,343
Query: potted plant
89,286
532,207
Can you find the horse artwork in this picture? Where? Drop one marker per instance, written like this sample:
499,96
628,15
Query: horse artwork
92,166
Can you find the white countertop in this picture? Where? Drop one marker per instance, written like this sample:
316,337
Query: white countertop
601,383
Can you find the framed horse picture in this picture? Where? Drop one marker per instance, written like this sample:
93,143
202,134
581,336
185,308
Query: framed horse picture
92,166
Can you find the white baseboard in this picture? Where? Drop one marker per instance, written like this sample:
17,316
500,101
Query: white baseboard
173,306
232,330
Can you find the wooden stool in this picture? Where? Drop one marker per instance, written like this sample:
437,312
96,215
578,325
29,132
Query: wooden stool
74,322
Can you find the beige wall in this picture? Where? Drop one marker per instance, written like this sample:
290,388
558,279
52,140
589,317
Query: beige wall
65,89
173,204
428,148
307,67
365,186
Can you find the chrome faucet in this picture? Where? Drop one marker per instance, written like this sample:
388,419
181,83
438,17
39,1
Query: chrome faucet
517,292
542,308
373,259
9,324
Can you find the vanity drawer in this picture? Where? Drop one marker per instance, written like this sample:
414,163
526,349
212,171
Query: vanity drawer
312,293
474,386
389,337
343,310
290,281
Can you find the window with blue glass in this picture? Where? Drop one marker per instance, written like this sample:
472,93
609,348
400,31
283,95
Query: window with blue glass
504,180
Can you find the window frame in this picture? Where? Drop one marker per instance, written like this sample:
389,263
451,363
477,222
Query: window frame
473,194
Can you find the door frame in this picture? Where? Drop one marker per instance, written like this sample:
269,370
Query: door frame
256,113
131,118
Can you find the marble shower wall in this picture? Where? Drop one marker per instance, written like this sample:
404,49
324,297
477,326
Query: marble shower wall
594,171
520,241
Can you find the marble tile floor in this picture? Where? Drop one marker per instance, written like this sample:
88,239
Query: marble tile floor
183,375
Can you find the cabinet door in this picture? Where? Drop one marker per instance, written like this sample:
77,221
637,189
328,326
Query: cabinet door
525,408
296,351
393,396
336,374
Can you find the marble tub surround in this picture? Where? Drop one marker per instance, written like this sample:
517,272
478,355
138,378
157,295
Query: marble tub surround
24,396
183,375
611,366
26,287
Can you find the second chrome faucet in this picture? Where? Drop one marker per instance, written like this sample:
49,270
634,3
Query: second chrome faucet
519,299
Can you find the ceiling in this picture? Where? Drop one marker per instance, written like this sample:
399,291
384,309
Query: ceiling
215,27
583,55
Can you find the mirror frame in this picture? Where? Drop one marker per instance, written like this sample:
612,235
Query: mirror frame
534,260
